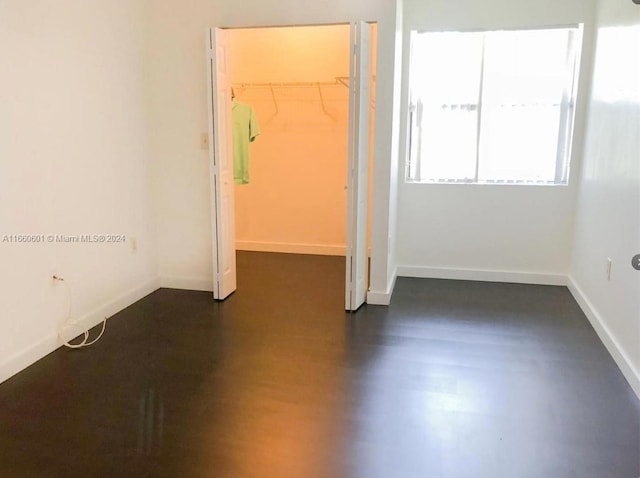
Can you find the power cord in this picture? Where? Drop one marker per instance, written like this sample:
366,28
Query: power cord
72,323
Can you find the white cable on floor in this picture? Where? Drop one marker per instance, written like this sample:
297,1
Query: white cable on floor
70,323
84,342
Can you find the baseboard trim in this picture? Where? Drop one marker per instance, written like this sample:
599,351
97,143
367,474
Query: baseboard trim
292,248
608,339
423,272
383,297
186,283
52,341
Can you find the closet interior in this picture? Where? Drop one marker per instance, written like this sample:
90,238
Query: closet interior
296,79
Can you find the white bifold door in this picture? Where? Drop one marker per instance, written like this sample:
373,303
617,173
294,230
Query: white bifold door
221,165
358,172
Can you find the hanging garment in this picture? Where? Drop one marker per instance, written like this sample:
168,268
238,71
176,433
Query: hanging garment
245,131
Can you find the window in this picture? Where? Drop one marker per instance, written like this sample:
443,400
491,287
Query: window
493,107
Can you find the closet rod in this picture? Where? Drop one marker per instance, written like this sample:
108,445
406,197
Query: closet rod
297,84
339,80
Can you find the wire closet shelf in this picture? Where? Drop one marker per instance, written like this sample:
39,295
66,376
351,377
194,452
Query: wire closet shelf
272,86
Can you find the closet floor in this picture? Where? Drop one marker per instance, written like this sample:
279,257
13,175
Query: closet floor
454,379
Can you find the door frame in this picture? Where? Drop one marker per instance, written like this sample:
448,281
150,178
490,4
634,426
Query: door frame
351,182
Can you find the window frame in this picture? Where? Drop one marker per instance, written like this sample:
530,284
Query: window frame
567,106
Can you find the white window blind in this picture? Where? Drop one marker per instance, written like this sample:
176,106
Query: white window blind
493,107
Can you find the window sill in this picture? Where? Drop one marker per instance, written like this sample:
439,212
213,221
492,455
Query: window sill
462,183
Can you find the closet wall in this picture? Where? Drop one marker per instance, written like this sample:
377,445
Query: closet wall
177,97
295,200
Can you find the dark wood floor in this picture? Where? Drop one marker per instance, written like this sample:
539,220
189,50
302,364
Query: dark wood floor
454,379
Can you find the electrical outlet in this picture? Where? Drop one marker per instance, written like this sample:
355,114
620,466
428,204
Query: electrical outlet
134,244
609,264
204,141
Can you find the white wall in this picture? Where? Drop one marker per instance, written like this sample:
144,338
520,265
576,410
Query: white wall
73,160
392,236
608,214
484,232
179,117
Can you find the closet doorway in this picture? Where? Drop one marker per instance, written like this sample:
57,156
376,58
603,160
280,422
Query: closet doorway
307,188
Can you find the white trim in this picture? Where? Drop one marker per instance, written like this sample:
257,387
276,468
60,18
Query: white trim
53,340
383,298
292,248
608,339
187,283
424,272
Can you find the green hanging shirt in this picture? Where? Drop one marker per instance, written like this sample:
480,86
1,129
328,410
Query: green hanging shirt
245,130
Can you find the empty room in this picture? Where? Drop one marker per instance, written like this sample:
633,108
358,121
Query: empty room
337,239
